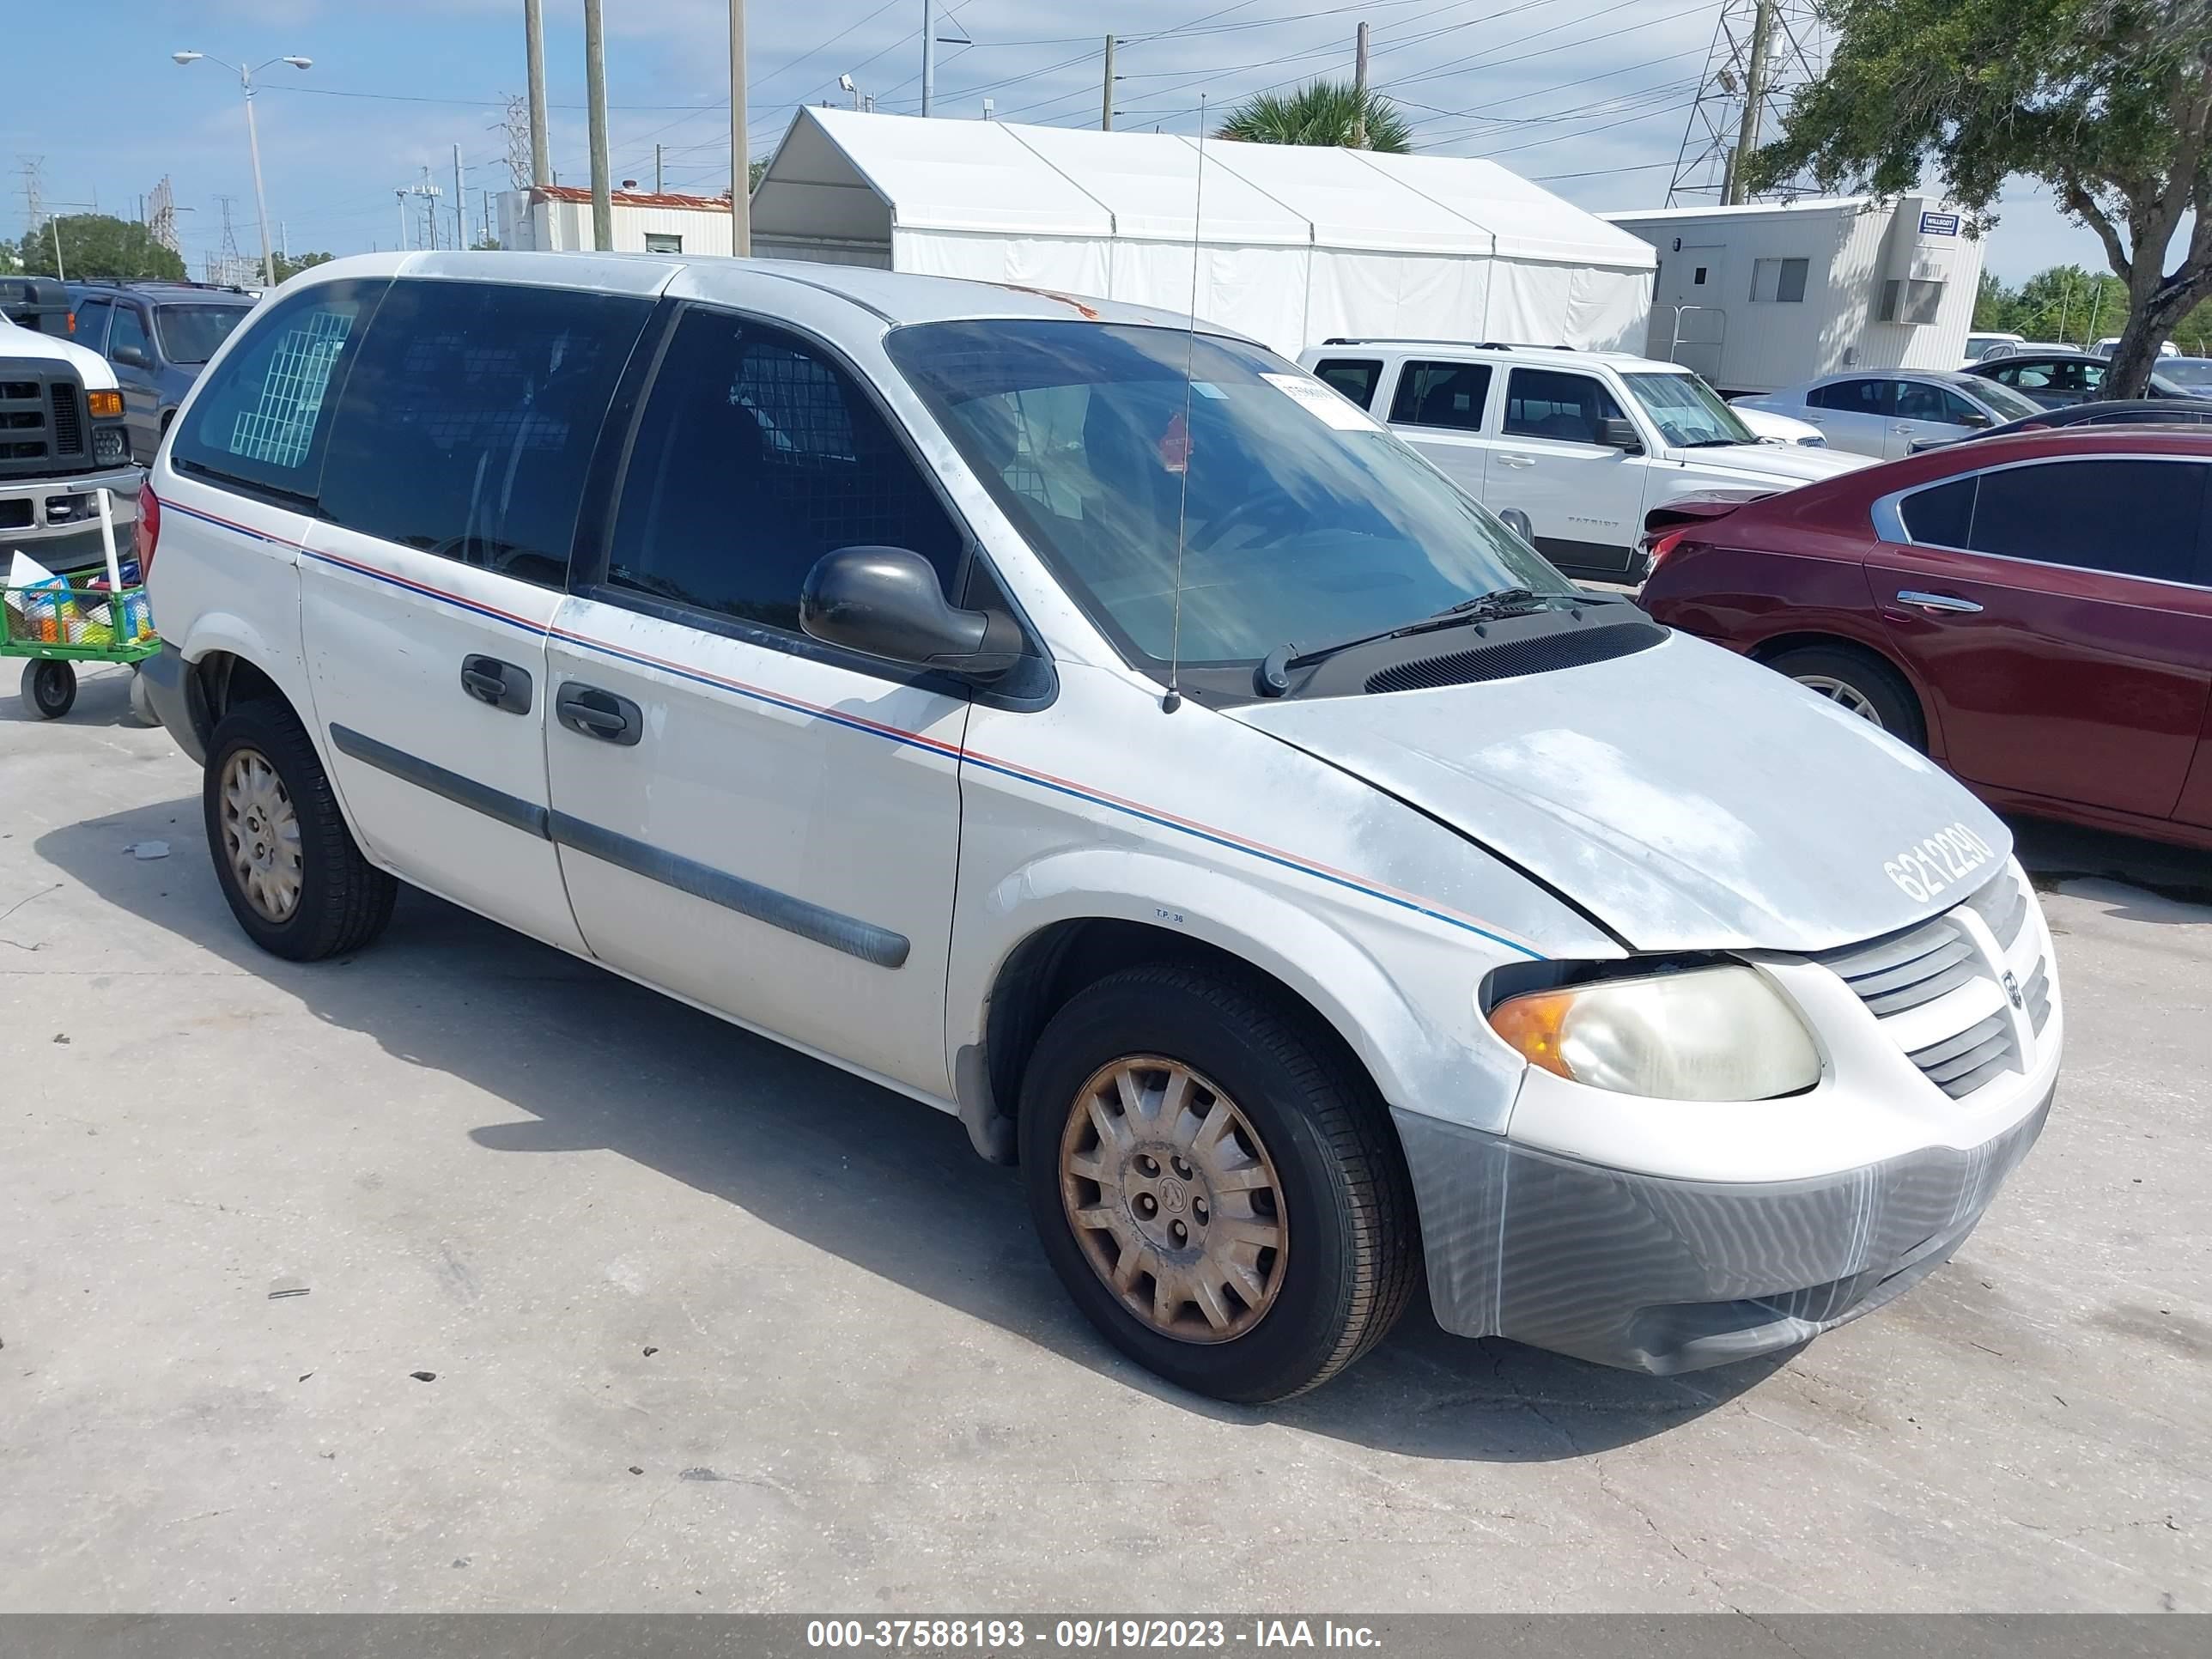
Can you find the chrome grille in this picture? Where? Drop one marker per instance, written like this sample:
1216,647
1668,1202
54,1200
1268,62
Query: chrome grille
1901,973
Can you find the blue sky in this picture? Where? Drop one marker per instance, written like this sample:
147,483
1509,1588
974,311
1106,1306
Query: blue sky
1590,95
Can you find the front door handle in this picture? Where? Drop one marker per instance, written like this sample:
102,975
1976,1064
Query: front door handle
500,684
1939,603
1518,460
592,712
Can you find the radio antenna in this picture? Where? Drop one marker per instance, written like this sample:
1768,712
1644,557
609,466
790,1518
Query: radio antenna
1173,701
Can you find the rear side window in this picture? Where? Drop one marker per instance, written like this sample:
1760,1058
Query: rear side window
1543,403
2131,518
1855,397
468,420
1940,517
262,418
756,455
1355,377
1441,394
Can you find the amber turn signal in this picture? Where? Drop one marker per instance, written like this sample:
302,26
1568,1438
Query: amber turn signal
104,405
1531,1026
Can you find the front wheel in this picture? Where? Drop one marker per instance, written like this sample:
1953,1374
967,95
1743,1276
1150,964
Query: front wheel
49,688
1218,1191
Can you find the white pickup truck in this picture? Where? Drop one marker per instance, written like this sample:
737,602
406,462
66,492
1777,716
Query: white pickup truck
1581,443
62,440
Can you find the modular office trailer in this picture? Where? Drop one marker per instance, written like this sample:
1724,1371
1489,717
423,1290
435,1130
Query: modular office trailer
1767,296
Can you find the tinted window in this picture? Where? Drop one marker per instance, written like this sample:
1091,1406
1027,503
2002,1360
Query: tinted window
92,325
189,334
1940,517
262,417
129,335
2132,518
1855,397
754,456
1441,394
1354,377
1917,400
1543,403
1275,513
468,420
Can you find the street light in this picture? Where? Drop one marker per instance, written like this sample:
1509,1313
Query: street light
252,140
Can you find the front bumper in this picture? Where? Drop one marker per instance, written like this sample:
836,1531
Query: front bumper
56,521
1663,1275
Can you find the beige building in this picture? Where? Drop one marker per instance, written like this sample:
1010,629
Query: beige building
557,218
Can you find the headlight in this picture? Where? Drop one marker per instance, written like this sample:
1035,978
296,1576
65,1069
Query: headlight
111,446
1706,1034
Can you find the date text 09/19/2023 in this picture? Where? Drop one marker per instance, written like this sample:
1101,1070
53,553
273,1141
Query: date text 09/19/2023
1079,1634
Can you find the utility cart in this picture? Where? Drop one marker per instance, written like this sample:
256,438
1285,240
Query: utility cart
56,623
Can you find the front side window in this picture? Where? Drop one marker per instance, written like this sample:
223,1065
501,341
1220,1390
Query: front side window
1918,400
1441,394
128,343
92,325
263,418
1355,377
1855,397
1687,412
1275,510
755,456
467,423
189,334
1545,402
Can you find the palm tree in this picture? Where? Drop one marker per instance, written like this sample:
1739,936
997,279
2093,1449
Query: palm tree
1326,112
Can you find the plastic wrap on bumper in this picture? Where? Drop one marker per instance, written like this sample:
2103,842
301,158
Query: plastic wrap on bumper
1661,1275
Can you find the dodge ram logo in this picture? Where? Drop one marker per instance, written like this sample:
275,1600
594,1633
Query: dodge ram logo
2011,990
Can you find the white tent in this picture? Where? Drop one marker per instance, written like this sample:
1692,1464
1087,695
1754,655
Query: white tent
1298,244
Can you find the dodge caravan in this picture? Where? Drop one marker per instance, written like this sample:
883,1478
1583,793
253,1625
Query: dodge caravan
1104,732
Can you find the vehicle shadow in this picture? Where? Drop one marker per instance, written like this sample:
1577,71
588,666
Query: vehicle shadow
759,1126
2157,881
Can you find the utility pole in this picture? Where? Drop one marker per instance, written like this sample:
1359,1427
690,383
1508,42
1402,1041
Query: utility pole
1754,103
460,212
658,188
1106,97
1359,91
928,56
400,196
595,97
429,193
538,213
741,181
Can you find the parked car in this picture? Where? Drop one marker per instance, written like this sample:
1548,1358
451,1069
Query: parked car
2052,379
1584,443
2110,343
2191,376
1770,428
61,418
1882,412
159,335
962,742
2120,411
2034,611
1979,346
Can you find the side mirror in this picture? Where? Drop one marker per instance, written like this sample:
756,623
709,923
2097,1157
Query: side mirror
131,356
1620,432
888,603
1977,421
1520,524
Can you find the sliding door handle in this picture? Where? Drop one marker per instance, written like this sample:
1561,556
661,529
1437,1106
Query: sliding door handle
590,713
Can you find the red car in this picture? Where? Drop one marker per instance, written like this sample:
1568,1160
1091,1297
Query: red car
2033,611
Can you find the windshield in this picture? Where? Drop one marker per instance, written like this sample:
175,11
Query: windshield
2194,373
1301,518
1688,412
2010,404
189,334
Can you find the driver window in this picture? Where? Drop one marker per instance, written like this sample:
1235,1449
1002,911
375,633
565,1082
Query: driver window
1543,403
129,335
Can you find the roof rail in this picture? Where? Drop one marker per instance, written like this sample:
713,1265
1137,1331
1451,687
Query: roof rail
1465,345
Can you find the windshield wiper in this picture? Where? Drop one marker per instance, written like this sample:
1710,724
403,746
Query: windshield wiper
1270,679
1718,443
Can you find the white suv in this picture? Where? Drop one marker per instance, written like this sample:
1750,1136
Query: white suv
1104,734
1582,444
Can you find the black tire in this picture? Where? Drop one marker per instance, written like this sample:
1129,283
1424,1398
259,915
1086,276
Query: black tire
344,900
49,688
1894,706
1352,1256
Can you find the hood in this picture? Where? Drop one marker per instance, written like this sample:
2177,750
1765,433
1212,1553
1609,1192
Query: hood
1768,464
1688,798
20,343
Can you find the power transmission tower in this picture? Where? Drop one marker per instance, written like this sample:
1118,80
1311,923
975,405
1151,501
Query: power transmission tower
34,201
162,216
516,126
1763,53
226,264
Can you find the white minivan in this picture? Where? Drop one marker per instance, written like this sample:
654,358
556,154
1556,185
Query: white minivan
1103,732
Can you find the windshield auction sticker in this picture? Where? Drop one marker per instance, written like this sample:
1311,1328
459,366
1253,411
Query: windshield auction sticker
1324,406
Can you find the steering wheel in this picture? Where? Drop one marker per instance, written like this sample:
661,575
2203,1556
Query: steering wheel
1269,508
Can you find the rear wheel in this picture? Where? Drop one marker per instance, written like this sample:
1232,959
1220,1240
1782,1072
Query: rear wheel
1220,1193
1859,681
49,688
288,865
